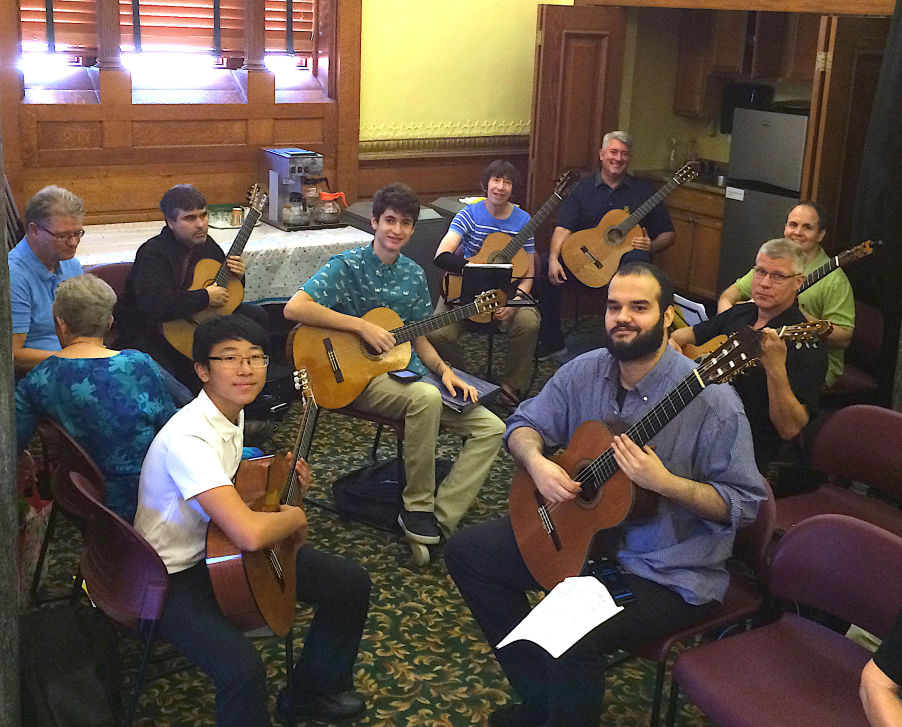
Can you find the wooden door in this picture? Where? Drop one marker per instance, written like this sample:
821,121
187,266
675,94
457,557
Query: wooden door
676,260
576,96
841,100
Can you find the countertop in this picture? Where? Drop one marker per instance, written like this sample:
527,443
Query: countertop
704,184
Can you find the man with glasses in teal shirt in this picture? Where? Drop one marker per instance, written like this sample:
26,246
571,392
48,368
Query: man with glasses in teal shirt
43,259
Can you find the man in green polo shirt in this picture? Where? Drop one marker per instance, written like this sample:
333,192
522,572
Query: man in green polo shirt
829,299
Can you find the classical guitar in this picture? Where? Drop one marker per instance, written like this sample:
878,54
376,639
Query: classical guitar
180,332
341,364
593,255
843,259
499,247
555,541
256,589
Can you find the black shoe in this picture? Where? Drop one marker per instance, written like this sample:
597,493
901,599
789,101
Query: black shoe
329,708
517,715
420,527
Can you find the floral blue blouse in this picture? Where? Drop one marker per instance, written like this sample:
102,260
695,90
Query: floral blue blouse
113,407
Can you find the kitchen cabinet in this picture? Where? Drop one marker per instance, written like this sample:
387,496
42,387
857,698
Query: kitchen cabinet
692,261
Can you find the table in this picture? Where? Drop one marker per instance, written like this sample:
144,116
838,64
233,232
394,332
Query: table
278,262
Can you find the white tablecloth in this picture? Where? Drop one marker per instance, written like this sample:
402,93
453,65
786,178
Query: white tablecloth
278,262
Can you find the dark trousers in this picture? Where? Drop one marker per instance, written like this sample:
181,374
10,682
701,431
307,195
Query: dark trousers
551,333
489,571
195,626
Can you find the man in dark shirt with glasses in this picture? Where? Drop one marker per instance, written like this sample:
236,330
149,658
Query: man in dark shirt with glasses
780,396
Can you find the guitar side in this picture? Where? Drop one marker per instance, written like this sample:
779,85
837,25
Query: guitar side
329,355
180,332
575,521
591,256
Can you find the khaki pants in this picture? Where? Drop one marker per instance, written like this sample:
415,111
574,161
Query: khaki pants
522,331
420,405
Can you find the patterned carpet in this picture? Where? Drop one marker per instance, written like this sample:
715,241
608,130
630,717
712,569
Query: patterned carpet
423,662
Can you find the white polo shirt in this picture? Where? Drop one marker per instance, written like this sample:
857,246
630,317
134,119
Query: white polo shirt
197,450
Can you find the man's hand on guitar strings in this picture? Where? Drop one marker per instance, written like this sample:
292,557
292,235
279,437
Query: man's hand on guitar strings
553,481
643,467
236,265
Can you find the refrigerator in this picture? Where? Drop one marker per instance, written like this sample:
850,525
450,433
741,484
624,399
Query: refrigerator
766,151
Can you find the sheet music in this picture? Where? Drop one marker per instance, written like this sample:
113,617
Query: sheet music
570,610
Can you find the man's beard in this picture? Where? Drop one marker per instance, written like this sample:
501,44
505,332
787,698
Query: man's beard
643,345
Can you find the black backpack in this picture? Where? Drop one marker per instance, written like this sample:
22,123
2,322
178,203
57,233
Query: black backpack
69,668
372,494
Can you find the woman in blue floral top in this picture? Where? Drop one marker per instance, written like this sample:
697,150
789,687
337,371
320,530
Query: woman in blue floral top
111,402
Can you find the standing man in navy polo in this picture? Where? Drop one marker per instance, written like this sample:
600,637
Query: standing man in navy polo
43,259
611,188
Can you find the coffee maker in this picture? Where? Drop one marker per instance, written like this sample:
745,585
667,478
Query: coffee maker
287,171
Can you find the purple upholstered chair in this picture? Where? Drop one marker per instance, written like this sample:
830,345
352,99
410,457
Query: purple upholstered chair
861,443
794,672
743,598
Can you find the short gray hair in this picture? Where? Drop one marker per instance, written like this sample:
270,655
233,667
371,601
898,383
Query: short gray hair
782,249
624,137
52,201
85,303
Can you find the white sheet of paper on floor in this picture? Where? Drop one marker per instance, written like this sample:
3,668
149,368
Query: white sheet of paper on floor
570,610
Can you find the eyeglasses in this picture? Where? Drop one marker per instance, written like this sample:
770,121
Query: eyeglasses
257,361
64,236
776,277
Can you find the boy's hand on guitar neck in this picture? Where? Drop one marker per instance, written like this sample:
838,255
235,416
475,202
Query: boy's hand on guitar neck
376,337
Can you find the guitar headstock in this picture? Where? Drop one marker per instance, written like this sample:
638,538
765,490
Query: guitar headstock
488,300
565,183
741,351
859,251
738,353
686,173
302,383
805,333
256,198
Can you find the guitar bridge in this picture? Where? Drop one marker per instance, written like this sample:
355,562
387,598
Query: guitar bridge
592,259
547,522
333,361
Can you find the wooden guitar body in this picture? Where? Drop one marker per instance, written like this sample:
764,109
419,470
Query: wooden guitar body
593,255
180,332
553,557
339,364
255,589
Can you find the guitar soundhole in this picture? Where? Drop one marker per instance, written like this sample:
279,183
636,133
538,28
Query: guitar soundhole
497,258
591,491
614,236
370,352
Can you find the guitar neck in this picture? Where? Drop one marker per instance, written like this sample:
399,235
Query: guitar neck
600,470
224,275
291,495
529,229
647,206
433,323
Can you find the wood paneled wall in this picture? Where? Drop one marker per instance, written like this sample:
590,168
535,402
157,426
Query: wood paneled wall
120,157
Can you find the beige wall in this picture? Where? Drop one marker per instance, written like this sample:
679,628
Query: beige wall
433,69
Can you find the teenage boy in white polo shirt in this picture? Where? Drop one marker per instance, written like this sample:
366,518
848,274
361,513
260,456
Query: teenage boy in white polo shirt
186,481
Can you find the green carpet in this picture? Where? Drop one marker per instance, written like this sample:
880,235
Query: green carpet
423,661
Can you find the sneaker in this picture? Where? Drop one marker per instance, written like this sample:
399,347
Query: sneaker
330,708
420,527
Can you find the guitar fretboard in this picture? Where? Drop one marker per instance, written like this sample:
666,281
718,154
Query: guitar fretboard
647,206
223,275
433,323
519,240
600,470
291,495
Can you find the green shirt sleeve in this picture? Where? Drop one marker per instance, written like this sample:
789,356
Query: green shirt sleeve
744,286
